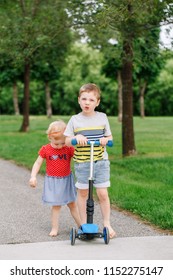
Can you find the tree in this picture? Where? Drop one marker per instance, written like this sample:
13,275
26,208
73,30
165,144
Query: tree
147,64
137,17
47,67
130,20
26,27
9,76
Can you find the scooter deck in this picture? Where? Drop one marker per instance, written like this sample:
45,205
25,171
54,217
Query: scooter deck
89,228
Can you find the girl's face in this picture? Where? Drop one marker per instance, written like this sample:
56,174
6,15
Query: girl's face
88,102
57,139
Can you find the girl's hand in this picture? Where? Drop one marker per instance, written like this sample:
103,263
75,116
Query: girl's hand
33,182
81,140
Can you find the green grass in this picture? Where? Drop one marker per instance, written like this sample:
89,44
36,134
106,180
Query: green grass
142,184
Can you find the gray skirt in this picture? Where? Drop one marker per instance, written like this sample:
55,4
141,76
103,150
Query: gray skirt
59,190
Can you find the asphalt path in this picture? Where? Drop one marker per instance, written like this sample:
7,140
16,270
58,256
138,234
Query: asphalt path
25,225
24,219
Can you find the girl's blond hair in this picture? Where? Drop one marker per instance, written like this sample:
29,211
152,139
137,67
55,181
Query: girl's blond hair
56,126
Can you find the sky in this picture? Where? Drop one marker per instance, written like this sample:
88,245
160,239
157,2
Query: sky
166,38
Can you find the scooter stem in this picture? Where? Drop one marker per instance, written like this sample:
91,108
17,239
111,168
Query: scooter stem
91,159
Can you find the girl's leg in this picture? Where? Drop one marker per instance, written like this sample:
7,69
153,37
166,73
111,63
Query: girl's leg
75,212
55,220
105,209
82,196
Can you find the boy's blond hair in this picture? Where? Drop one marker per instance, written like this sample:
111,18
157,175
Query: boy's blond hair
90,87
56,126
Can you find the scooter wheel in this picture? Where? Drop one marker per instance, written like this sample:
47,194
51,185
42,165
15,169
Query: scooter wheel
106,235
73,236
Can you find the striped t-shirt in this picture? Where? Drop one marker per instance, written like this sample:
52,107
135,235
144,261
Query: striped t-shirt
93,127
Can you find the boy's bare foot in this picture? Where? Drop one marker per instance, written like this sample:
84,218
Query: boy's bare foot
112,233
54,232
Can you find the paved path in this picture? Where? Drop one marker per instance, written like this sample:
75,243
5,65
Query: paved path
126,248
25,221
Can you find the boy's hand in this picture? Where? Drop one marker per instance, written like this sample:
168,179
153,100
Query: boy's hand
103,141
81,140
33,182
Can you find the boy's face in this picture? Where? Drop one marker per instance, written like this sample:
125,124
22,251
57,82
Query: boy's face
88,102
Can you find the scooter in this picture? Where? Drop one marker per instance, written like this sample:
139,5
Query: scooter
90,230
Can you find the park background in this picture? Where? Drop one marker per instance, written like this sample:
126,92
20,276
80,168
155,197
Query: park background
48,49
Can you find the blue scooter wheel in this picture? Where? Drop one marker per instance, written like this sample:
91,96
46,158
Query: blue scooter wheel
106,235
73,236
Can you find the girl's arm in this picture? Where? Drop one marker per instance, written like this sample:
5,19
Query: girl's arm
35,170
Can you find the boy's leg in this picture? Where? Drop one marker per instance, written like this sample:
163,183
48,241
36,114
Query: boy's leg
82,196
103,197
82,173
55,220
75,212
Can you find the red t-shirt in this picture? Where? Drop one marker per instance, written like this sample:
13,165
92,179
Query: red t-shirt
57,160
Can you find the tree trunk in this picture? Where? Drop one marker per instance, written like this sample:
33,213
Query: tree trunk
141,99
25,123
128,143
120,104
48,100
15,99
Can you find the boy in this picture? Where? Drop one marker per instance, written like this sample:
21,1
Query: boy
91,125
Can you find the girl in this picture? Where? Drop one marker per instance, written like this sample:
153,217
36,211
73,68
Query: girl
59,187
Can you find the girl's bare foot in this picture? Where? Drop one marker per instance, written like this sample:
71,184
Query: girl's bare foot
54,232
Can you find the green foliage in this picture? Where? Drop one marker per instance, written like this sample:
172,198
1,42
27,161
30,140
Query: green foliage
37,100
159,99
6,101
41,32
29,26
83,65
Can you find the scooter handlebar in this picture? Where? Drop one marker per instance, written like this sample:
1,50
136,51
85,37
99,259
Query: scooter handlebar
96,142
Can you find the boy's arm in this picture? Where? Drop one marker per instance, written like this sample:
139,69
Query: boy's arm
104,140
108,133
68,140
81,140
69,134
35,170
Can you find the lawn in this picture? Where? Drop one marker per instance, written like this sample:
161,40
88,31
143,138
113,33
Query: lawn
141,184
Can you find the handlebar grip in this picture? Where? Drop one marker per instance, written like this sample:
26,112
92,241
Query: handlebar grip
74,142
97,142
110,143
